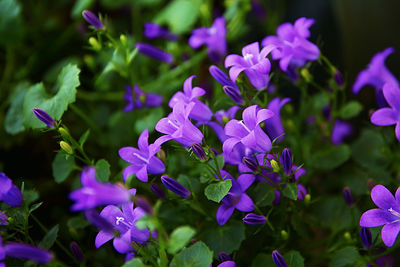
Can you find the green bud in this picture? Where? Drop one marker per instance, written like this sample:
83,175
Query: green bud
64,133
94,43
225,119
142,98
66,147
306,74
275,165
161,155
284,235
123,39
307,199
347,236
89,61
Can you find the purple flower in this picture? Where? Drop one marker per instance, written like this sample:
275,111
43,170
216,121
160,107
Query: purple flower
94,193
265,170
178,127
139,99
366,237
301,192
125,223
388,214
292,46
252,218
230,88
273,127
76,251
143,160
23,251
199,151
9,192
340,131
154,52
376,74
200,111
222,117
94,218
389,116
348,196
175,187
278,259
92,19
213,38
227,264
287,160
153,31
254,63
44,117
235,199
248,131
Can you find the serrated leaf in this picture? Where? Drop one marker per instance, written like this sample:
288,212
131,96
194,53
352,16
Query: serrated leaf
179,238
330,158
294,259
67,81
350,110
84,137
62,166
136,262
197,255
102,170
49,239
14,121
217,191
290,191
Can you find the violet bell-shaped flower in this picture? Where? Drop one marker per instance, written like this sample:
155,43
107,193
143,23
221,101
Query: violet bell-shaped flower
230,88
154,52
388,214
178,127
153,31
389,115
235,199
200,111
274,127
142,160
9,192
292,46
214,38
138,99
248,131
125,223
254,63
94,193
92,19
44,117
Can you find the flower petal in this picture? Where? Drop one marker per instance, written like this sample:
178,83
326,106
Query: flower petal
187,86
250,117
156,166
235,71
389,233
383,198
376,217
130,170
123,244
245,204
142,174
224,212
232,60
384,117
143,142
102,237
245,181
236,129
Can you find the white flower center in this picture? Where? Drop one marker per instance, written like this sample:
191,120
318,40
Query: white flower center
395,213
175,125
248,57
212,31
244,125
140,157
121,220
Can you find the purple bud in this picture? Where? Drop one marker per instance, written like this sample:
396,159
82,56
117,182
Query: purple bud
92,19
252,218
175,187
44,117
153,30
348,197
9,192
142,203
338,77
98,221
154,52
27,252
199,151
234,94
224,257
301,192
366,237
220,76
277,199
76,251
3,218
250,163
278,259
287,160
156,189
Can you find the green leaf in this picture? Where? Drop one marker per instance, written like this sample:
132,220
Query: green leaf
350,110
30,196
147,222
263,260
220,161
321,100
263,194
294,259
191,184
10,21
49,239
179,238
14,121
62,166
77,222
347,256
147,121
330,158
217,191
136,262
290,191
102,170
84,137
35,207
180,15
79,7
226,238
197,255
67,81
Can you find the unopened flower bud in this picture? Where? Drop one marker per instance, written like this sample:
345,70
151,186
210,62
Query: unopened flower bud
161,155
44,117
287,160
278,259
199,151
76,251
175,187
156,189
250,163
306,75
123,39
301,192
3,218
66,147
277,199
92,19
252,218
224,257
284,235
275,165
154,52
366,237
338,77
225,119
142,203
307,199
347,236
348,197
64,133
94,43
234,94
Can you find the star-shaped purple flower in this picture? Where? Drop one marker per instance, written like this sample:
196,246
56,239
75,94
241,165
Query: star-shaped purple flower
137,99
292,46
125,223
388,214
248,131
143,160
235,199
254,63
389,116
200,111
213,37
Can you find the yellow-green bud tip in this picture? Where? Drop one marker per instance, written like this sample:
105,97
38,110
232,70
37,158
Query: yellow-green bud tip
275,165
284,235
306,74
94,43
307,198
66,147
347,236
